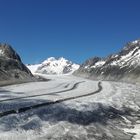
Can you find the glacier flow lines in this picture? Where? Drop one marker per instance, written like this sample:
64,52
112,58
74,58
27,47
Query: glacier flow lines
23,109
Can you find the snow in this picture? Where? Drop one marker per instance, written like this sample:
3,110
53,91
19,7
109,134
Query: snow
135,130
33,68
135,42
50,59
1,52
98,116
54,66
98,64
128,59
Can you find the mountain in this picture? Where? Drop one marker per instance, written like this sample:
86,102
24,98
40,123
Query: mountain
11,66
123,66
54,66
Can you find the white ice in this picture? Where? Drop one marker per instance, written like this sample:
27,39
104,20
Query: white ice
77,117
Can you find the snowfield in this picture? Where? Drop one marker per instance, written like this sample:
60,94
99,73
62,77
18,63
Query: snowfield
70,108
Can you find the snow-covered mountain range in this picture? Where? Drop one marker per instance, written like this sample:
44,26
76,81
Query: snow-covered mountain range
54,66
124,66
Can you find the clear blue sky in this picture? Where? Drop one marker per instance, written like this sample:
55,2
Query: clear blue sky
75,29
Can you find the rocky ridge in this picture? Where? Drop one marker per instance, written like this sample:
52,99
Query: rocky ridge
11,66
123,66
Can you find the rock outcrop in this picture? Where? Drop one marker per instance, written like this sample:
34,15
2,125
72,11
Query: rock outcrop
123,66
11,66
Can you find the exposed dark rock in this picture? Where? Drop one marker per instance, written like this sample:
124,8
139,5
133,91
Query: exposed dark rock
123,66
11,66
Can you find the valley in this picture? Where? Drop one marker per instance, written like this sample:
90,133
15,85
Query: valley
69,70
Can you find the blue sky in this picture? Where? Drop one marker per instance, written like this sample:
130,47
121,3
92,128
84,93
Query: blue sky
75,29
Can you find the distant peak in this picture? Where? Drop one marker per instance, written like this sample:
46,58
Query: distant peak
54,65
135,41
51,59
61,58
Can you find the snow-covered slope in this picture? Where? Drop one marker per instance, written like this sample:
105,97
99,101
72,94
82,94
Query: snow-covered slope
33,68
124,65
54,66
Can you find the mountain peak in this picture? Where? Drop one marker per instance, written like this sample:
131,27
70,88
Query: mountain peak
136,41
8,52
11,66
51,59
54,66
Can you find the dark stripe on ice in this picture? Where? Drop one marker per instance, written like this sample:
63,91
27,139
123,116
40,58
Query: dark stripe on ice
23,109
18,98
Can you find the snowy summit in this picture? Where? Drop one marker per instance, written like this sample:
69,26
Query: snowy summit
54,66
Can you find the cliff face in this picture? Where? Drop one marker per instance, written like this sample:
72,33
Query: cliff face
11,66
123,66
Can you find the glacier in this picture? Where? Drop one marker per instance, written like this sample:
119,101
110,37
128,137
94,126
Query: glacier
111,114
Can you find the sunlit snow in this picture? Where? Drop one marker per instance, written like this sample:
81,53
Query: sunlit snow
54,66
